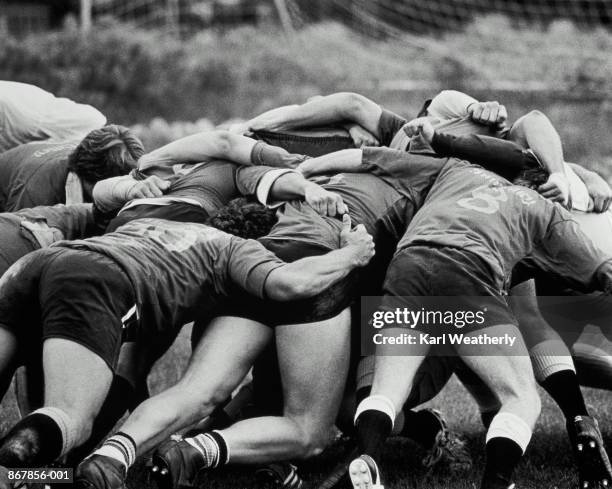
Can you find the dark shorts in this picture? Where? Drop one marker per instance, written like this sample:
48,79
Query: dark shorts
311,142
450,278
179,211
325,305
14,243
81,296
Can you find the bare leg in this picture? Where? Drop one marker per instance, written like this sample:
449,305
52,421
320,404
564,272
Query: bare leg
313,360
69,369
221,360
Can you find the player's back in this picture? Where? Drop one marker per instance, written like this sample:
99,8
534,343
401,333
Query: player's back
476,210
34,174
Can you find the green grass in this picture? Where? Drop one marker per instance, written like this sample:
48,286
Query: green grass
547,464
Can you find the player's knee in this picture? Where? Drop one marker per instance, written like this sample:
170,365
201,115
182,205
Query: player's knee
313,438
313,443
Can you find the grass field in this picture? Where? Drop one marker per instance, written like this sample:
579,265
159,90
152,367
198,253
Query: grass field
547,465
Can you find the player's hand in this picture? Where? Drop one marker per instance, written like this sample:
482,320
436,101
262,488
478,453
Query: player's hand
358,239
323,201
362,137
556,188
488,114
421,126
148,188
600,193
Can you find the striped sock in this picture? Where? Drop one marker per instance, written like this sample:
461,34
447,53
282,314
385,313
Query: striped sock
120,447
212,447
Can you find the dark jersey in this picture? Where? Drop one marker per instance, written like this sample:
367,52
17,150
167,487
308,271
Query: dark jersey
474,209
34,174
180,271
212,184
26,230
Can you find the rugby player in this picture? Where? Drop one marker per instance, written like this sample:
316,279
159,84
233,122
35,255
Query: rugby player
187,180
456,113
464,228
147,279
374,200
29,113
49,173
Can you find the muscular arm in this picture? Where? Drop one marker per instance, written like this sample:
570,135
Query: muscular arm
201,147
310,276
331,109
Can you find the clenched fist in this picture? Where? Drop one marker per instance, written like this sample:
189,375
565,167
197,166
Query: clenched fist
148,188
421,126
323,201
358,240
488,114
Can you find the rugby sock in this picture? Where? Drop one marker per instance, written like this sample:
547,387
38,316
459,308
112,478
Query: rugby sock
38,439
374,422
555,372
212,447
507,440
120,447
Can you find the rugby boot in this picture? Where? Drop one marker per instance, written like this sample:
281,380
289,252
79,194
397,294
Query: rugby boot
176,465
364,473
594,469
100,472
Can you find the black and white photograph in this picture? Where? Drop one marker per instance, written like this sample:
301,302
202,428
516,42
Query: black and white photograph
305,244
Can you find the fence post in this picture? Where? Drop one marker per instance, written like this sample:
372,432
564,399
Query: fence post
85,14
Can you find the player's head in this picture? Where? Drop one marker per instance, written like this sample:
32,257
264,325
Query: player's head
106,152
532,177
244,218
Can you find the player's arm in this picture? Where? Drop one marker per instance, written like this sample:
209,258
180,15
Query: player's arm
113,193
332,109
564,251
310,276
498,155
200,147
599,191
452,104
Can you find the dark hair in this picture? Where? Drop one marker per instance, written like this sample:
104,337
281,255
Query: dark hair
244,218
533,175
106,152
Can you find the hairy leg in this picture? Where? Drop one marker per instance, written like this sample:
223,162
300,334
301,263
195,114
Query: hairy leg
221,360
313,360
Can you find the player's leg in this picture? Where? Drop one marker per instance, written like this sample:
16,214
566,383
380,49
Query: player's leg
222,358
81,330
307,354
507,372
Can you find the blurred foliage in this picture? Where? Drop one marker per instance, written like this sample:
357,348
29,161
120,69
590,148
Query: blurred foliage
135,76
